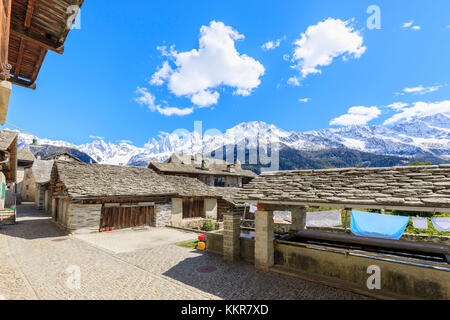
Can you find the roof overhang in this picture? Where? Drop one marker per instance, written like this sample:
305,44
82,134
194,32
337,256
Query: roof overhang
345,205
123,196
37,26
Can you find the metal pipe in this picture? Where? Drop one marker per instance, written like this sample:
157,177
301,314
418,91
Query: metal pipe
384,243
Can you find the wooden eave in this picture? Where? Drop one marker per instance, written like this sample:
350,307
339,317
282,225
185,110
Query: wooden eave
36,27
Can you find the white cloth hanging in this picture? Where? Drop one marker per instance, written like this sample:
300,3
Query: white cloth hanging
420,223
441,224
253,209
324,219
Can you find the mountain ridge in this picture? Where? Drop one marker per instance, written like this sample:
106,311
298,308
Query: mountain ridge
415,138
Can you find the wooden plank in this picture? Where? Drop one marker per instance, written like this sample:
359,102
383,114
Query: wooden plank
19,58
21,32
5,21
29,14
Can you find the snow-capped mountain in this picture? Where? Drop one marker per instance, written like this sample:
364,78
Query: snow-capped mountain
422,136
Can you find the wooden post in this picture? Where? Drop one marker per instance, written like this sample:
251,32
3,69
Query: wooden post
5,22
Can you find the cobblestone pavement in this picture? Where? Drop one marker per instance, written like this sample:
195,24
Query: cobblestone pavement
36,261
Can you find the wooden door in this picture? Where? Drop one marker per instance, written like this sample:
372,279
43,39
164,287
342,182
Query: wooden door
193,208
127,217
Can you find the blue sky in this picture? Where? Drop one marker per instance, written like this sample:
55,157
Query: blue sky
91,90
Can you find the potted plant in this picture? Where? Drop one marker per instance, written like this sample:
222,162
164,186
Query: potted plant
107,228
102,229
112,228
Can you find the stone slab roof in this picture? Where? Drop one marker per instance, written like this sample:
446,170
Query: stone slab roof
193,168
42,170
403,187
229,194
84,181
6,138
25,155
190,187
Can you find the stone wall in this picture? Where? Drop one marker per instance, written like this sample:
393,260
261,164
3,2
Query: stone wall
7,217
231,235
29,186
214,242
247,250
177,212
40,196
406,236
81,218
211,208
163,214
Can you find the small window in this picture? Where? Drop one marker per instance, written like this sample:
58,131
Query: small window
219,181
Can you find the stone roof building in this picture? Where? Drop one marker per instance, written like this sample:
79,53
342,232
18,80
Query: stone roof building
213,172
416,188
88,196
62,156
25,157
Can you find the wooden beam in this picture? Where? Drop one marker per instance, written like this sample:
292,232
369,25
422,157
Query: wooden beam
29,14
19,59
5,18
38,65
20,32
23,83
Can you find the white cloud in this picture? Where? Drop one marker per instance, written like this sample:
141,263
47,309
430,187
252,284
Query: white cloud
271,45
96,137
397,106
420,109
358,115
146,98
304,100
410,25
205,98
172,111
325,41
216,63
161,75
421,90
293,81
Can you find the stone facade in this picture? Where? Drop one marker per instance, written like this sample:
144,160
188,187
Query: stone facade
211,208
177,212
39,199
231,235
163,214
29,186
298,216
77,218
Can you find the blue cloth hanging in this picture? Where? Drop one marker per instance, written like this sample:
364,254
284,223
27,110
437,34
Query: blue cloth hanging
374,225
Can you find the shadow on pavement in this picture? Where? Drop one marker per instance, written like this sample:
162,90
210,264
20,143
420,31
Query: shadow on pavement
32,224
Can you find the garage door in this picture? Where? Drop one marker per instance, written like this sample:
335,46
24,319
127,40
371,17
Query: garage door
127,217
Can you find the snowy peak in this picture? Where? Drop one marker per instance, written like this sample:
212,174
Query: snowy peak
421,136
